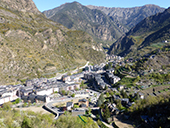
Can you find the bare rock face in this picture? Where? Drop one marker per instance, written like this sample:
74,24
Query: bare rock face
78,17
129,16
20,5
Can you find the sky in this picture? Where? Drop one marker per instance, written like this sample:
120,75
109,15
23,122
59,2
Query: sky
43,5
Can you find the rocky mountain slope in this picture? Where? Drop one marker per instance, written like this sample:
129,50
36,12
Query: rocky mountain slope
20,5
33,46
146,35
95,22
129,16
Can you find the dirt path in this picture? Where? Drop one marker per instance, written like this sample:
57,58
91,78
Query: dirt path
34,109
121,124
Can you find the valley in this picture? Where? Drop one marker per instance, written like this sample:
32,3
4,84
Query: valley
85,66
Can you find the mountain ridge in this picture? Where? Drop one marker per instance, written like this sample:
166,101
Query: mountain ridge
96,23
129,16
151,30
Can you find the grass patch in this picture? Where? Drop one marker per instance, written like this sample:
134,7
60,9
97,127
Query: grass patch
126,81
157,45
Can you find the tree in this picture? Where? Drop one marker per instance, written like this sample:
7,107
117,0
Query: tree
106,114
73,95
76,106
16,101
82,84
167,76
7,106
89,110
123,93
26,123
107,94
101,100
95,95
111,100
111,93
137,96
106,66
99,103
63,92
129,68
106,87
138,78
118,103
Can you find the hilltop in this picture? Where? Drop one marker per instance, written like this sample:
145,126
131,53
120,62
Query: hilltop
20,5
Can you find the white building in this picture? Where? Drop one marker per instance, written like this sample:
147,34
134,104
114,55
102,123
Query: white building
4,99
55,88
48,91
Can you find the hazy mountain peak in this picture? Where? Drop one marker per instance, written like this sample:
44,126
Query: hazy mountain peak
20,5
78,17
129,16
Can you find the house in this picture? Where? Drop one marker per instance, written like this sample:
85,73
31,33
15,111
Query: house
25,90
63,108
112,78
67,87
76,77
69,105
47,91
125,102
114,89
55,88
112,107
88,76
4,99
99,81
43,80
7,93
65,78
83,106
121,87
116,97
40,98
110,70
81,94
28,83
35,98
141,95
83,103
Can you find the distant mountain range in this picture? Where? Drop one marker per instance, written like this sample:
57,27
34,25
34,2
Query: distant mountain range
129,16
93,21
102,23
33,46
152,30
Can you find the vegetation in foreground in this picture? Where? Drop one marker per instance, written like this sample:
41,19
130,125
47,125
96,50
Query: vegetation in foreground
29,119
151,112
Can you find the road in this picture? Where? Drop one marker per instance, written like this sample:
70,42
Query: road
72,72
76,70
50,106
